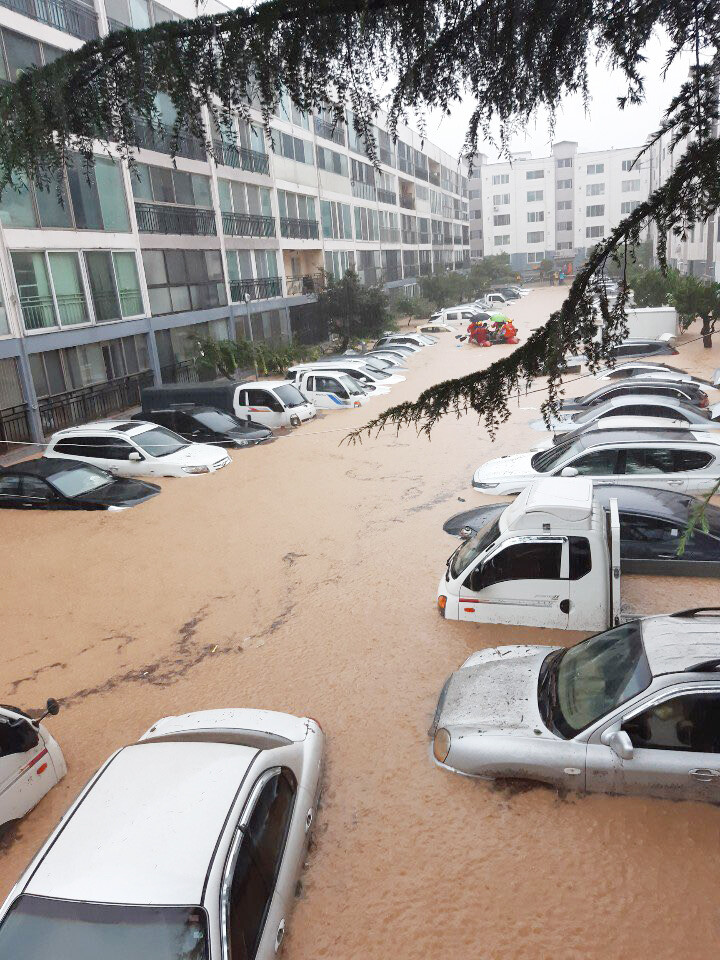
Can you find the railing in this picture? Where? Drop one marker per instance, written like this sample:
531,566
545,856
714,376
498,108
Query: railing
38,312
74,18
261,288
185,221
182,371
92,403
247,225
188,146
409,236
240,158
390,234
115,25
300,229
407,202
305,285
410,269
387,196
116,304
72,308
329,130
364,191
14,426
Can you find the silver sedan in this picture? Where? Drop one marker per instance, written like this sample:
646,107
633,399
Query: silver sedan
634,710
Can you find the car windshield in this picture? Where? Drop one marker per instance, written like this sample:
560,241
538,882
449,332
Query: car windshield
290,395
471,549
580,685
375,371
216,420
160,442
377,363
352,386
589,415
545,460
74,483
39,927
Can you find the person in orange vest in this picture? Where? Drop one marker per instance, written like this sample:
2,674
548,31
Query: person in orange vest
510,333
478,334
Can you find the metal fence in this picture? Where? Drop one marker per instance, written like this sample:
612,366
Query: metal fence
262,288
188,146
92,403
247,225
305,285
185,221
182,371
300,229
14,426
329,130
240,158
77,19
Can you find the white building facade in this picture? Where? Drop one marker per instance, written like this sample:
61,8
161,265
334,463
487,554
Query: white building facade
100,293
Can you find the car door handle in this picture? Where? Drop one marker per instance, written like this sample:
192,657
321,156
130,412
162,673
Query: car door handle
676,483
280,935
704,774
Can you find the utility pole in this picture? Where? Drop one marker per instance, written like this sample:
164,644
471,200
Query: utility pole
252,341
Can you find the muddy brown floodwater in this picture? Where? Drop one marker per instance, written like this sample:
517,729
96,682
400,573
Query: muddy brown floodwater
303,578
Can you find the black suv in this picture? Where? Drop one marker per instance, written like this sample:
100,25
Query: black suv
208,425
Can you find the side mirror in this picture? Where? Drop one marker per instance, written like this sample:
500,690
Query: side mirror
569,472
52,707
619,742
134,456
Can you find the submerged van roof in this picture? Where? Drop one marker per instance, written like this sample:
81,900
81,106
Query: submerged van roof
566,500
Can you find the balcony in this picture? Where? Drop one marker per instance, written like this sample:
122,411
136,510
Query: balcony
306,285
407,201
410,236
39,311
391,272
183,221
92,403
247,225
261,288
387,196
389,234
329,130
410,269
240,158
149,138
292,228
364,191
423,237
77,19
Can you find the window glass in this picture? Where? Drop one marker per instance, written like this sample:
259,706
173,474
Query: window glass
85,197
53,212
269,824
161,180
16,205
69,290
22,52
159,442
9,486
33,283
140,180
692,459
201,190
128,284
183,187
580,557
523,561
54,370
690,723
598,463
650,460
154,265
16,738
102,286
35,489
641,529
111,190
249,901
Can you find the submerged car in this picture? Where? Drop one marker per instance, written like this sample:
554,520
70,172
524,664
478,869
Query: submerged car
635,347
645,424
633,710
31,762
47,484
186,845
651,525
678,460
639,368
208,425
638,387
648,405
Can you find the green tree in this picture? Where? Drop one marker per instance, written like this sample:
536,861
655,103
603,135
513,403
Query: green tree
353,311
651,288
217,356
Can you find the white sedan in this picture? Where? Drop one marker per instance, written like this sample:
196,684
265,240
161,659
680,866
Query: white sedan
679,460
31,762
187,844
132,448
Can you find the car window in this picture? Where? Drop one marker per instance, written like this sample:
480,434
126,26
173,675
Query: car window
580,558
650,460
523,561
261,398
598,463
692,459
641,529
690,722
16,736
82,446
9,486
329,385
159,442
35,489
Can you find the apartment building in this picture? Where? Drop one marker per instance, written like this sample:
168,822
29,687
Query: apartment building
552,208
101,292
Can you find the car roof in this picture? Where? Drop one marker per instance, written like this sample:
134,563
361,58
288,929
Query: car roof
43,467
599,437
677,644
147,830
654,501
128,427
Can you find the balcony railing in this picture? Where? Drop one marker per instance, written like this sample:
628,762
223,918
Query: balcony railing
369,276
185,221
410,269
247,225
329,130
39,312
364,191
407,202
305,285
390,234
188,146
77,19
92,403
409,236
261,288
240,158
14,426
182,371
299,229
391,272
387,196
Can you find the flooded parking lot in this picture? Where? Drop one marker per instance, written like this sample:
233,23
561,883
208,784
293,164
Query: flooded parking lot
303,578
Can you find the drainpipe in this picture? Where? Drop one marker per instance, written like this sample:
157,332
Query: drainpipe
28,389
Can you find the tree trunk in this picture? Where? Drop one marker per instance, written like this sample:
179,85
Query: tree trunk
707,332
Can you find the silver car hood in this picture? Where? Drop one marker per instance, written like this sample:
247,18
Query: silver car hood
495,691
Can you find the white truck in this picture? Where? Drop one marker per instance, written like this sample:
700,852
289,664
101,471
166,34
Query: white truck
331,389
550,559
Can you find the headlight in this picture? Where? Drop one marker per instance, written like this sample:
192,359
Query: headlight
484,486
441,745
242,443
196,469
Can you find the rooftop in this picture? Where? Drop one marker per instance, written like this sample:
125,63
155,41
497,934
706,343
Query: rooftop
675,644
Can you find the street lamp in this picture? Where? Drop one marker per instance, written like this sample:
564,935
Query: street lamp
247,298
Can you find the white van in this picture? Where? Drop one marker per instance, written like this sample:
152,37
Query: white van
331,389
373,380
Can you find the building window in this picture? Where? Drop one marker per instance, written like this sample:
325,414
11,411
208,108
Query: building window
591,232
627,165
534,195
564,184
18,53
287,111
595,189
500,199
244,198
166,185
499,178
564,205
534,174
536,236
472,194
535,257
564,162
628,186
627,206
501,240
338,262
594,168
476,234
536,216
564,225
331,161
114,285
293,148
366,224
596,210
336,220
564,245
180,280
501,220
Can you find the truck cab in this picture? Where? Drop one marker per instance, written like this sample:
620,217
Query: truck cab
31,762
331,389
550,559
